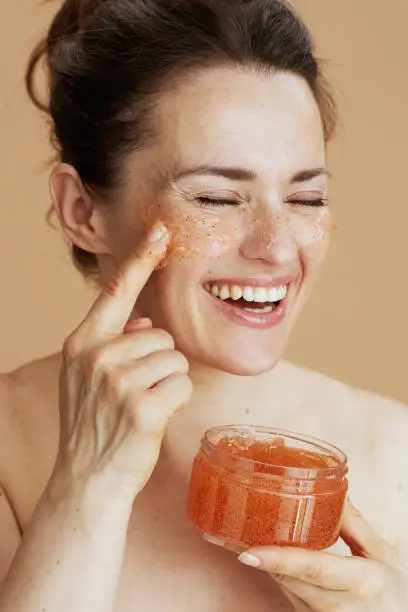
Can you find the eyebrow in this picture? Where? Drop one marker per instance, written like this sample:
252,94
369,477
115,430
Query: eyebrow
243,174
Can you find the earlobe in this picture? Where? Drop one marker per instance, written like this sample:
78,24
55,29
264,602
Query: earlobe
75,209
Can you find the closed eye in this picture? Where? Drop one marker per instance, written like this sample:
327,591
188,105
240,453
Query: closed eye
306,202
214,202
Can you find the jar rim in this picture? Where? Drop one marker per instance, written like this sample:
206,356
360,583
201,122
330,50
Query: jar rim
321,446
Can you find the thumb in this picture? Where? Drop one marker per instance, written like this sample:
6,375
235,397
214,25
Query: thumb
361,538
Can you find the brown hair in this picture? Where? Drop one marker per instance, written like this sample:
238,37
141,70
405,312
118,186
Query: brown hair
106,59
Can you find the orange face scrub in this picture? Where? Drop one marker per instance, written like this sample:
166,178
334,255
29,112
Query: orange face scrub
255,486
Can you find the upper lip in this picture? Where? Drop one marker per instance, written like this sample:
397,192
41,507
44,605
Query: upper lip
252,281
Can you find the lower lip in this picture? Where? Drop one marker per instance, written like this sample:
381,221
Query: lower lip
251,319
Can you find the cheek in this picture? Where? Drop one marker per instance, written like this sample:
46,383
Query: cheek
201,235
201,238
312,232
198,237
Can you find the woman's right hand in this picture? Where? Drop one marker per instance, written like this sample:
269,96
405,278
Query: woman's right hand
119,387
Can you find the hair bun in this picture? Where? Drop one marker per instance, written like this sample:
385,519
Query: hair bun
71,18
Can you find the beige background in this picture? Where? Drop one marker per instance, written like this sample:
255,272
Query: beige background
355,327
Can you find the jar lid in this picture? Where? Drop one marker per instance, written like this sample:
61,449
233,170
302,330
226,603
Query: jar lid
274,452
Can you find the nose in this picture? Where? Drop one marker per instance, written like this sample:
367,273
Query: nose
270,239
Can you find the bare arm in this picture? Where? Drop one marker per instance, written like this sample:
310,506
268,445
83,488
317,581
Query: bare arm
120,383
71,555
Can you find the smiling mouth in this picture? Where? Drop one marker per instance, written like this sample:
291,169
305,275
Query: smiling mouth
258,300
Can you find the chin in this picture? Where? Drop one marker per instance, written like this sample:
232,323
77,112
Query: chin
238,350
245,368
239,363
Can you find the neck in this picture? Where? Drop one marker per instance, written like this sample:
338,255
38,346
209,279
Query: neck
219,398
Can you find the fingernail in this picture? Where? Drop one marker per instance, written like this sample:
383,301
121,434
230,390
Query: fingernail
250,560
157,233
212,540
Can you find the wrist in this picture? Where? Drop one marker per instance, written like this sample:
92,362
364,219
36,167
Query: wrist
94,497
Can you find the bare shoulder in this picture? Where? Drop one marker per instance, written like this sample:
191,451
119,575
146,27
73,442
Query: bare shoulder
35,374
6,418
305,383
28,431
9,527
384,421
373,431
31,395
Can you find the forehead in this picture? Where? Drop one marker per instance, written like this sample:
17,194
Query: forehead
229,116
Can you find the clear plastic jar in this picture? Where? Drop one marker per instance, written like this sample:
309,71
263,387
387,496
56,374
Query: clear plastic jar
257,486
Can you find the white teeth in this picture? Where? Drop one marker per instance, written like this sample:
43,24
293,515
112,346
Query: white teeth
248,294
236,292
264,310
260,295
224,293
275,294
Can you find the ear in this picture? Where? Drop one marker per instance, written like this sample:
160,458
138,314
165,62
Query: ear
76,210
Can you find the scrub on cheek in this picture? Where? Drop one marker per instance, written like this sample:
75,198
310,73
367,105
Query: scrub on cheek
210,232
311,228
201,236
198,231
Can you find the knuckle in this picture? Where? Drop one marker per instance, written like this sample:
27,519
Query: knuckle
71,348
165,339
278,576
147,416
312,573
113,386
95,358
181,362
111,379
185,385
114,288
175,393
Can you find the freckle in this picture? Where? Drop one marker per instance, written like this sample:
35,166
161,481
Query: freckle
247,411
58,562
75,529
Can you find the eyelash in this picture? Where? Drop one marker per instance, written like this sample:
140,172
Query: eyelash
215,202
316,202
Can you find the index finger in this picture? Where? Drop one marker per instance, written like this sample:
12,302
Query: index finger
321,569
113,307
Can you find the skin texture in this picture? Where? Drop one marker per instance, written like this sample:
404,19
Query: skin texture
271,126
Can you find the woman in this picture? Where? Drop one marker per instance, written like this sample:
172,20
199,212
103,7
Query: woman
192,184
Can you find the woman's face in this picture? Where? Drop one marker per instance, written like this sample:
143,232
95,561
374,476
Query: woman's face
238,176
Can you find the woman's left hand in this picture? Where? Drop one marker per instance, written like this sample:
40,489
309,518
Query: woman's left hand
374,579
